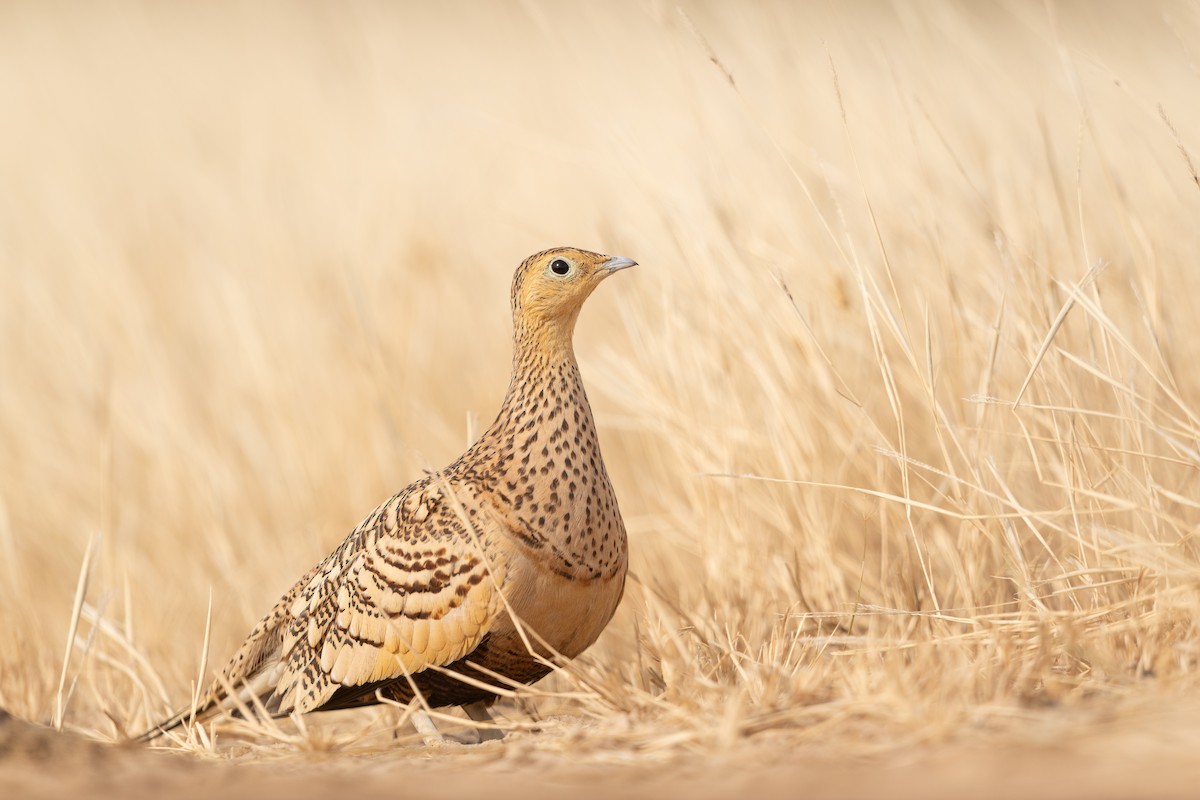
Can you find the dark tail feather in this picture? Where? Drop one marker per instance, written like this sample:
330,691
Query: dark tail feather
202,713
167,725
268,702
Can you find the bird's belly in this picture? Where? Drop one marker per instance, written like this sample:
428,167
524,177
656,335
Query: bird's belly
566,613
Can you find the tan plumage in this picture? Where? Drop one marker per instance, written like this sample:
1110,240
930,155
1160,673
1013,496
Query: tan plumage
525,524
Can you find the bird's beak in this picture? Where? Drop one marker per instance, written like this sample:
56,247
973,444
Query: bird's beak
617,262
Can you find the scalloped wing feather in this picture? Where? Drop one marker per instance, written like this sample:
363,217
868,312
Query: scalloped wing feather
407,590
403,600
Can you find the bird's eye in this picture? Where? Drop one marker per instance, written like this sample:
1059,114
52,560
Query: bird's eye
559,267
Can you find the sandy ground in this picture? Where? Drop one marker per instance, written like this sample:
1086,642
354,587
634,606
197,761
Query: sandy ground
38,762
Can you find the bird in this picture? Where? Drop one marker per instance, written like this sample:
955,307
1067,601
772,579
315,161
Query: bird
474,577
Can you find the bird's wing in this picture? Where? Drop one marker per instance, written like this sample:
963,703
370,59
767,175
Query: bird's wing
417,592
410,588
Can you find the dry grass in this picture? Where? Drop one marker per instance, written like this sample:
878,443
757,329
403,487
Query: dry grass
902,406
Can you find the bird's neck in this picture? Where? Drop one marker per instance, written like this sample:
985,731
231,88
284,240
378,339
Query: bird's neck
544,469
539,341
543,377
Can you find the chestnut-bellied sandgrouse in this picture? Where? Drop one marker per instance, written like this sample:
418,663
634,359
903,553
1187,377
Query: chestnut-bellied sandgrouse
474,576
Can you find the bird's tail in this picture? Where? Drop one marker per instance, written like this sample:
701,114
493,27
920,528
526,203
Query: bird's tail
166,726
199,713
256,695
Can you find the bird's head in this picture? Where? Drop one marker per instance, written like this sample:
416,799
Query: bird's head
549,289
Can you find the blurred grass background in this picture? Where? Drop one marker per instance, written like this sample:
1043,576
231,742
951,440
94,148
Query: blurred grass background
254,262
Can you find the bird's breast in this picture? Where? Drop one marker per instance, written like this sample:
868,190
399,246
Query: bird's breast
566,613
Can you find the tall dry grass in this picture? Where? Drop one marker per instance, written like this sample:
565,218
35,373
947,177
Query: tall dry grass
902,405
